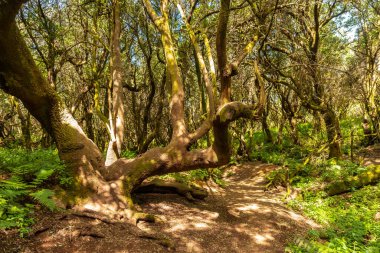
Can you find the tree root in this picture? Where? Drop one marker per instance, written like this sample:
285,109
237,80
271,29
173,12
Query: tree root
92,215
92,234
166,242
113,203
130,215
161,186
140,216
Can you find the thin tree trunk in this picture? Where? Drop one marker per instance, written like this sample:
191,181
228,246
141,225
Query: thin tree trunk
334,136
117,109
294,130
280,131
268,138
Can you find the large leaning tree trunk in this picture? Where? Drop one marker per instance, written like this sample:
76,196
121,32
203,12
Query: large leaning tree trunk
108,189
20,77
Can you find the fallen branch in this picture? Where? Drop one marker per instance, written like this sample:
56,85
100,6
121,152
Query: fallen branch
371,176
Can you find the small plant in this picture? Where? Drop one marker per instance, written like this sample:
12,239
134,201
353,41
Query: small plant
27,177
348,221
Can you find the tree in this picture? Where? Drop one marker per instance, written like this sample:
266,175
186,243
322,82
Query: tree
366,73
305,45
104,188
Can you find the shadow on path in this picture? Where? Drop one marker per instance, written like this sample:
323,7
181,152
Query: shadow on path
241,218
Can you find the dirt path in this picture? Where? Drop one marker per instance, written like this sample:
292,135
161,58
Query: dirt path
241,218
371,155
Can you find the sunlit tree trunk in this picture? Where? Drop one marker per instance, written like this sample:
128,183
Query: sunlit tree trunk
117,106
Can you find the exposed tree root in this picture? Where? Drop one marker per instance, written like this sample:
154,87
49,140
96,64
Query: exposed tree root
133,217
140,216
92,215
161,186
92,234
160,239
41,230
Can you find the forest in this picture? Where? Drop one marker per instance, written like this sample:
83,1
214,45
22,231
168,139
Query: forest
189,126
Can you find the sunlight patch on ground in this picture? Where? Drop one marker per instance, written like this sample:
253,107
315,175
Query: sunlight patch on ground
92,206
178,227
193,246
248,207
242,228
166,207
267,200
263,239
295,216
201,225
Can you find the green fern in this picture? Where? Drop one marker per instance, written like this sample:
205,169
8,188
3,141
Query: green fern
43,197
14,183
27,177
42,176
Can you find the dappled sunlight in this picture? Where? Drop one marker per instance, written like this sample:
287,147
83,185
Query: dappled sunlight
201,225
193,246
248,207
177,227
82,234
242,218
263,239
93,207
370,161
164,156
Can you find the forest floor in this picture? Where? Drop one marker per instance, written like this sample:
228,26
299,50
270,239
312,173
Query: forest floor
242,217
371,155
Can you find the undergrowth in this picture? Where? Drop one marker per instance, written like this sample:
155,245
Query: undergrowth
190,177
26,182
348,220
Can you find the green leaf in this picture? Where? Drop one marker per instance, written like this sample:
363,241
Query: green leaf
44,198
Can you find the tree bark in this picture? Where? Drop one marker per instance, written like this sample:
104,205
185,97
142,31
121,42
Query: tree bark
334,136
25,124
20,77
117,105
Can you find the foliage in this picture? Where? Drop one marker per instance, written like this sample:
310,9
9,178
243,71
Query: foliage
193,176
26,179
129,154
307,165
348,222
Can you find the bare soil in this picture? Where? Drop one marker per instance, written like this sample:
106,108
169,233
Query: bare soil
371,155
243,217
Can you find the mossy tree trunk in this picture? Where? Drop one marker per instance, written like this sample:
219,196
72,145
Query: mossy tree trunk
334,136
20,77
103,188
